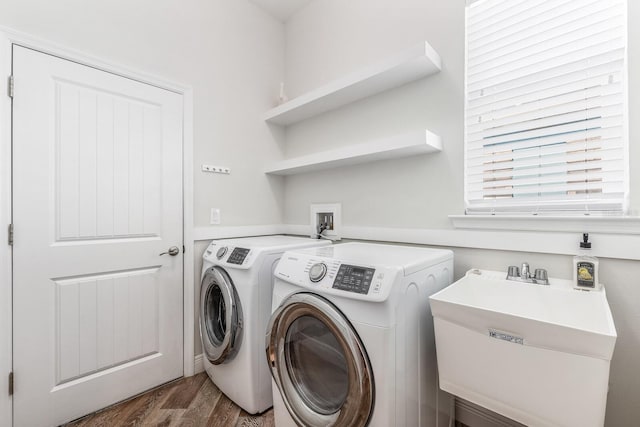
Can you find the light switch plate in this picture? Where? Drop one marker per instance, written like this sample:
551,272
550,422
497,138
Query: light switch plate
214,219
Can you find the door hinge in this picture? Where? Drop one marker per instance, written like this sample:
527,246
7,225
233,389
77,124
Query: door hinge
10,383
10,87
10,234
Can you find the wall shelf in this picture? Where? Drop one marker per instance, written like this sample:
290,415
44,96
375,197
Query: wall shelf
412,64
404,145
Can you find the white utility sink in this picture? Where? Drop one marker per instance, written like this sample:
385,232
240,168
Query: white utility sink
534,353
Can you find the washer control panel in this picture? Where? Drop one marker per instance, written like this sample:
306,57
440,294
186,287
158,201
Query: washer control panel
353,278
317,272
238,256
230,255
337,277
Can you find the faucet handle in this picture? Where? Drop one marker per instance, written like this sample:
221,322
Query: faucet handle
513,271
541,275
524,272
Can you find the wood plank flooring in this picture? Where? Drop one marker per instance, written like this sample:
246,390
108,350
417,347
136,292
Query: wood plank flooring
189,402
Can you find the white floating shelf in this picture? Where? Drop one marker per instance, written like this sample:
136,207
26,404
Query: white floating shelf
404,145
410,65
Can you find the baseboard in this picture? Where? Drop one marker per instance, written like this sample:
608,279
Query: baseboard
198,364
477,416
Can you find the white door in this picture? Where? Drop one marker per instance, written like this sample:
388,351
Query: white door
97,196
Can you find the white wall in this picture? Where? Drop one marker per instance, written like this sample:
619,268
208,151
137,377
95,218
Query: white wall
330,38
230,52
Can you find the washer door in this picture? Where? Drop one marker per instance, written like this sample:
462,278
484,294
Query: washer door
319,363
220,316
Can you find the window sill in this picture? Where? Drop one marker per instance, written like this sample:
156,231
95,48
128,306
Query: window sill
548,223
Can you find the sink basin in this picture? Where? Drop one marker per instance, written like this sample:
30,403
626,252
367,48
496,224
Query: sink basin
534,353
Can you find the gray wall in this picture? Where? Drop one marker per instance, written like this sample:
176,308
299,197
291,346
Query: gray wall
230,52
330,38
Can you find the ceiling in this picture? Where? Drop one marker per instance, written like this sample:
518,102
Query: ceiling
281,9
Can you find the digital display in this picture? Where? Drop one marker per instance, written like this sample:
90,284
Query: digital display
358,272
352,278
238,255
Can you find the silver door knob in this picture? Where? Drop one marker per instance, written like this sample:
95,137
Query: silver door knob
173,251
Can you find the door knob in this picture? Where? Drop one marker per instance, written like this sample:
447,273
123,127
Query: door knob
173,251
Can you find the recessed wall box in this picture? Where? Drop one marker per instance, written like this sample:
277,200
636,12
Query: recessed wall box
325,219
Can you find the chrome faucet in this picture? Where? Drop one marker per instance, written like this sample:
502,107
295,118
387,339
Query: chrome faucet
539,277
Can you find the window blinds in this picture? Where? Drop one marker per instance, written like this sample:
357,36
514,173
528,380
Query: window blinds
545,111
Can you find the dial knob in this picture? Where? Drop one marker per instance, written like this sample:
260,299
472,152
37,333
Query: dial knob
221,252
317,272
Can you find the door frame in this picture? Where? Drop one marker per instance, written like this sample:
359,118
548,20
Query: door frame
9,37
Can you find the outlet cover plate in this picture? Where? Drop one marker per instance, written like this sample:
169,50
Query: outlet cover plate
336,210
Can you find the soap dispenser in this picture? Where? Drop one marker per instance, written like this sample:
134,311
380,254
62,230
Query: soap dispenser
585,268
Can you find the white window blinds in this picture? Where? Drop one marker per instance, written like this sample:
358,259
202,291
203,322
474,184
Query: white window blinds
545,111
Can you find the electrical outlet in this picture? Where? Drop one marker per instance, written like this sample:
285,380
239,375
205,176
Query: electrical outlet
326,217
214,218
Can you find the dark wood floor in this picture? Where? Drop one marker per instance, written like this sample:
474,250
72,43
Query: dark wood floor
192,402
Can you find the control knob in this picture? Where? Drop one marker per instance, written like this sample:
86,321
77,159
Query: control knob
221,252
317,272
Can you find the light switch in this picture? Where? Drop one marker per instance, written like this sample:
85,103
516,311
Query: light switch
215,216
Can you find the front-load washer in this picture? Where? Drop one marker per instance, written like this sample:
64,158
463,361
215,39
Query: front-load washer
350,341
235,304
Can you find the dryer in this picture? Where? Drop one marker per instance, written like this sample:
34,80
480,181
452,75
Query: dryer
350,341
235,304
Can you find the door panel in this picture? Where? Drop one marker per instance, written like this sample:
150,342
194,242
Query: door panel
91,334
97,197
108,185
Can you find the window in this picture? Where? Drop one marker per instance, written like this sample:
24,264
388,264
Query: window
545,107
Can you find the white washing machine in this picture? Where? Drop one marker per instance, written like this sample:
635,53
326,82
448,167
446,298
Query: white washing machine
235,304
350,341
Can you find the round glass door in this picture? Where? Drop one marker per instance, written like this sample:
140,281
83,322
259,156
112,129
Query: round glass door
319,363
220,316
